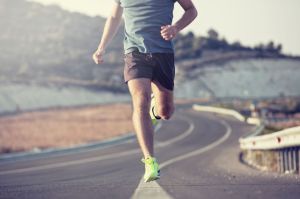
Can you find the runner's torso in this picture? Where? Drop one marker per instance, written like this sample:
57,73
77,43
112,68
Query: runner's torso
143,21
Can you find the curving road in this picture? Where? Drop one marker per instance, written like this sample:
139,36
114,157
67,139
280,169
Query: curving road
198,154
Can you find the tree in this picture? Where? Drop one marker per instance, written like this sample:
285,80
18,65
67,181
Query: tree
270,46
190,35
213,34
279,48
259,47
236,45
224,44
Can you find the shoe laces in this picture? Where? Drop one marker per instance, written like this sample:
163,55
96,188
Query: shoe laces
148,161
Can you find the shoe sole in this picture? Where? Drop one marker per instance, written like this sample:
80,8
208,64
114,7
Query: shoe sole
152,178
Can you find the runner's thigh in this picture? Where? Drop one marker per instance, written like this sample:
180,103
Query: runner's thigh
140,90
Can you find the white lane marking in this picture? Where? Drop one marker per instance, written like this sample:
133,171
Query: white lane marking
94,159
150,190
153,189
142,191
201,150
179,137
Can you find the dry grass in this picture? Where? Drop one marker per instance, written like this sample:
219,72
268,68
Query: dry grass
63,127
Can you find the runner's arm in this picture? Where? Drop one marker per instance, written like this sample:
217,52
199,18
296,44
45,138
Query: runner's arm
168,32
189,15
110,29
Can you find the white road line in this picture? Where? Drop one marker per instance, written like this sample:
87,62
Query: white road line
149,191
201,150
179,137
95,159
156,191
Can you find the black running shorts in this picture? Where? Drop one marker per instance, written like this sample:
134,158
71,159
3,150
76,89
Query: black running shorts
155,66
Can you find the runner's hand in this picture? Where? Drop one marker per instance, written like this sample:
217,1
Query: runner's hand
98,56
168,32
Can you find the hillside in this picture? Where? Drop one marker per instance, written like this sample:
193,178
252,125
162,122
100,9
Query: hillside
49,46
45,44
245,78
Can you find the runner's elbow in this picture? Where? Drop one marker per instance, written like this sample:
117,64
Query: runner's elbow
194,13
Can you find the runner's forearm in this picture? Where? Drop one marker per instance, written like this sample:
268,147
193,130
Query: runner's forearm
189,15
110,29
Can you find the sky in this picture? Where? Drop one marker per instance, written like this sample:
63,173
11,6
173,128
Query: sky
248,21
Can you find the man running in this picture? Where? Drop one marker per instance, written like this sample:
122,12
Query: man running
149,63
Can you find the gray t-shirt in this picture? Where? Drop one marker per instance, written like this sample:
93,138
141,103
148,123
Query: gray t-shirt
143,21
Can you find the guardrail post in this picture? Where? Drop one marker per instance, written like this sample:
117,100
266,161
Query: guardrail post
298,157
281,166
286,161
296,160
278,161
291,166
292,160
282,155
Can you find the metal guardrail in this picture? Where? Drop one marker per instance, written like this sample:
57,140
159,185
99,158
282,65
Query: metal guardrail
224,111
279,151
254,121
281,139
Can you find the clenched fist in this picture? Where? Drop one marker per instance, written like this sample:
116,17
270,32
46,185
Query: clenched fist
168,32
98,56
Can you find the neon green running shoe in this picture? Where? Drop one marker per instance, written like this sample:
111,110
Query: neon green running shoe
152,171
154,118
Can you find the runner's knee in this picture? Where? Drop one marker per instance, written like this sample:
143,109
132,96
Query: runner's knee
165,112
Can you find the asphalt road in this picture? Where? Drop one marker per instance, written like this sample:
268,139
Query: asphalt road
198,154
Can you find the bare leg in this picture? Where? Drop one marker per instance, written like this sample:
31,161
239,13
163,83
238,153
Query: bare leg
140,90
164,101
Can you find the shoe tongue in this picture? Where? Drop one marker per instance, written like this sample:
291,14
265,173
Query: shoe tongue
147,160
150,160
